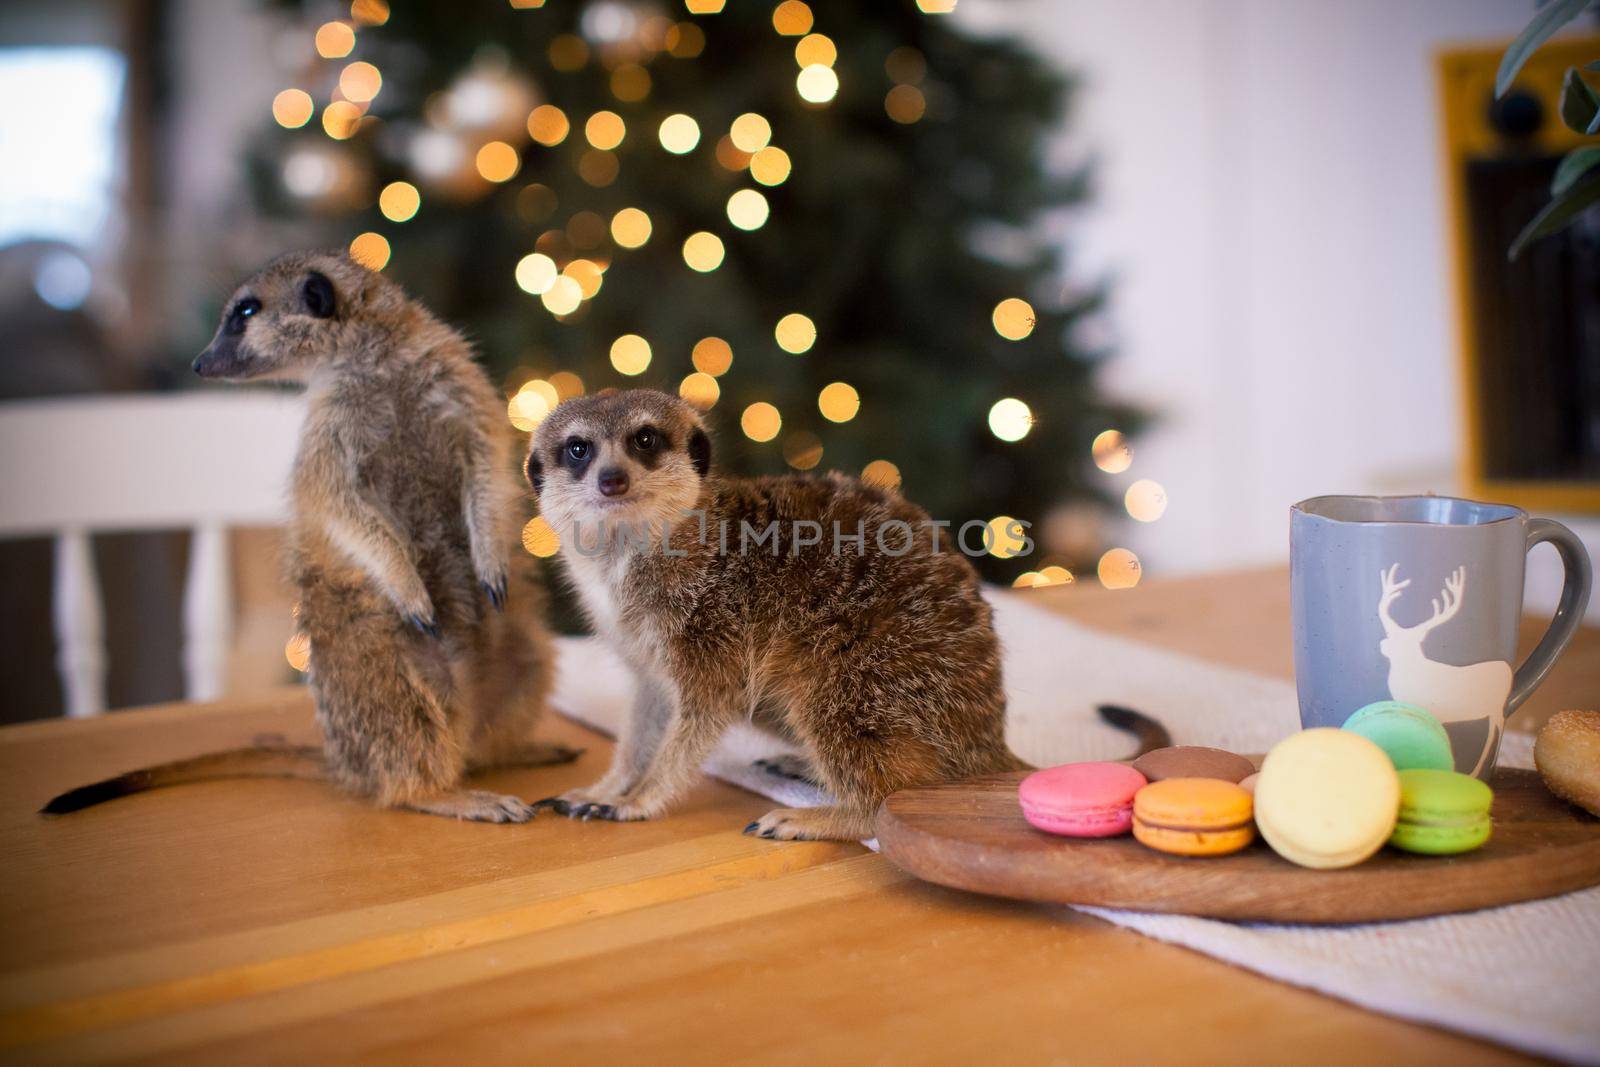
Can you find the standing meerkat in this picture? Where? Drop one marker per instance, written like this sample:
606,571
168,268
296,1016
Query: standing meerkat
882,665
429,657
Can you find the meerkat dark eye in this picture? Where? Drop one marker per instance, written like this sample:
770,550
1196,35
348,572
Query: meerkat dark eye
317,295
578,449
241,312
646,439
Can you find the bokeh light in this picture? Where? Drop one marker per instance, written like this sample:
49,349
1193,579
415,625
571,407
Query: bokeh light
1111,452
817,84
630,227
586,229
906,66
685,40
838,402
792,18
293,108
563,296
770,166
371,250
748,209
730,156
630,83
905,104
1119,569
527,408
750,132
802,450
360,81
704,7
598,168
536,202
341,119
700,389
936,7
399,201
586,274
298,652
548,124
605,130
881,473
1010,419
334,40
536,273
679,134
630,354
712,355
1006,537
815,48
568,52
540,538
703,251
1145,500
1013,318
760,421
795,333
370,12
498,162
566,384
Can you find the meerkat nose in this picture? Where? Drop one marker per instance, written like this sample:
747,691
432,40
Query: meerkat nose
613,482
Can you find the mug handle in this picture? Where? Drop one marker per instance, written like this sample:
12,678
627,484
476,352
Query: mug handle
1569,612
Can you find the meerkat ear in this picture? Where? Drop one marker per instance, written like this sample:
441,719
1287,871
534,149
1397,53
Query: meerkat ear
318,297
700,451
535,472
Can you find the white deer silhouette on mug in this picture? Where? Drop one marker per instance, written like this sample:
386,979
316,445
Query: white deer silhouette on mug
1453,694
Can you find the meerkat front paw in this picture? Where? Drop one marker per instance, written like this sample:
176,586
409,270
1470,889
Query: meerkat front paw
813,824
476,805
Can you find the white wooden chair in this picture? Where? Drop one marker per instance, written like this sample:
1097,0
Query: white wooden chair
203,461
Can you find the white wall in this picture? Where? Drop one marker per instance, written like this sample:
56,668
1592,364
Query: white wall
1269,206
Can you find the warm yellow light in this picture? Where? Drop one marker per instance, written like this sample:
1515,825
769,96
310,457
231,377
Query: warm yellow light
298,652
685,40
566,384
527,409
399,201
586,274
1055,575
905,104
335,40
679,134
703,251
1006,537
630,227
527,5
548,124
371,12
340,120
816,48
605,130
498,161
936,7
704,7
795,333
630,354
760,421
792,18
1010,419
730,156
1026,580
360,81
802,450
293,108
543,389
1145,500
586,229
881,473
838,402
712,355
770,166
630,83
536,202
568,52
1111,452
598,168
817,84
1119,569
563,296
1013,318
536,273
748,209
371,250
540,538
750,132
700,389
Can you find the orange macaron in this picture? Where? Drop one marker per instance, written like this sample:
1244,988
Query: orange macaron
1193,816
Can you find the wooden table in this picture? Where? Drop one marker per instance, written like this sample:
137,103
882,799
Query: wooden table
276,920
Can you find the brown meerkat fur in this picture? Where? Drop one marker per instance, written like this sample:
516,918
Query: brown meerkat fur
885,669
429,657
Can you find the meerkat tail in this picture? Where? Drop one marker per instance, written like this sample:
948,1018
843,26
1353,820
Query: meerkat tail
1149,732
263,760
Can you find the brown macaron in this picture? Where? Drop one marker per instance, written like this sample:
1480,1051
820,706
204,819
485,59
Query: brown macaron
1193,761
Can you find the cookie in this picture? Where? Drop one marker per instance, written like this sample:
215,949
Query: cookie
1567,754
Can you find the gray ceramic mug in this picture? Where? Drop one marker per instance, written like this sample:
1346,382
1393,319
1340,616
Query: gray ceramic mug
1418,599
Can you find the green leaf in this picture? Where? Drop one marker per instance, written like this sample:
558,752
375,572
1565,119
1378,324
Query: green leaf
1579,105
1558,213
1577,163
1550,18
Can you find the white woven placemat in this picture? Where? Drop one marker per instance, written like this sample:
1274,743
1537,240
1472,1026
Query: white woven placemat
1526,975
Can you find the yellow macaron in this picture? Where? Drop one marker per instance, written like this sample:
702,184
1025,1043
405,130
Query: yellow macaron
1326,798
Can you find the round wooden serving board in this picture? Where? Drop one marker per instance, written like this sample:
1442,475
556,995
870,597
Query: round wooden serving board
971,835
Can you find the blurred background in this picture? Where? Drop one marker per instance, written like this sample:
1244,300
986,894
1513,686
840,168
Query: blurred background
1141,274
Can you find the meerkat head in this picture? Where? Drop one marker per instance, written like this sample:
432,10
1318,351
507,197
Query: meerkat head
292,315
635,457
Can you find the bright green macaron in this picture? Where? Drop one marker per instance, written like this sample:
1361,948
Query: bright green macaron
1441,813
1412,738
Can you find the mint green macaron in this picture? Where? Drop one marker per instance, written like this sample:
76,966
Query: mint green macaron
1412,738
1441,813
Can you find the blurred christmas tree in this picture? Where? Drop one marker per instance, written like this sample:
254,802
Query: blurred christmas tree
817,221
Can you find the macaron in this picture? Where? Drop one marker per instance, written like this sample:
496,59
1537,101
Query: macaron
1193,817
1192,761
1412,737
1248,783
1326,798
1081,799
1441,812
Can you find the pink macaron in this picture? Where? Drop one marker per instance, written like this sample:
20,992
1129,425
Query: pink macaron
1081,799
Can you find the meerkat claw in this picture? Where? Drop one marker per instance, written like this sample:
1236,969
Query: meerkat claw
426,627
496,591
752,827
555,804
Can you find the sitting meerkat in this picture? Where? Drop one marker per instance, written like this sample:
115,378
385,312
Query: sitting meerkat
881,664
429,657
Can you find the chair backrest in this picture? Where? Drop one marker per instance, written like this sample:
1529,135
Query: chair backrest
204,461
